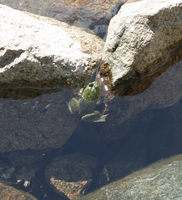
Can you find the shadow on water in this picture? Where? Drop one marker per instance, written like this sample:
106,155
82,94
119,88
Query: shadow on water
143,125
24,93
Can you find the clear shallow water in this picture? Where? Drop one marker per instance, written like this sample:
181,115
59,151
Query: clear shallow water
148,134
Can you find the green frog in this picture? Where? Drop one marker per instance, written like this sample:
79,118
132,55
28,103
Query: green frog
86,104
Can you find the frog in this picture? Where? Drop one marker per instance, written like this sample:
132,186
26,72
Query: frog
84,106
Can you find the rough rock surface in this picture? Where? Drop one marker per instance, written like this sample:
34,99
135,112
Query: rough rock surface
36,123
92,14
46,121
43,52
7,192
140,38
71,175
165,91
161,180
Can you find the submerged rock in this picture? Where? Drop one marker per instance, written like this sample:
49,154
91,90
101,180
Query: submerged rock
71,175
130,158
140,38
165,91
6,171
8,192
165,134
26,173
160,180
36,123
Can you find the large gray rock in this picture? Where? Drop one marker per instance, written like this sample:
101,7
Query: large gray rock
165,91
36,123
38,51
42,52
94,14
140,38
161,180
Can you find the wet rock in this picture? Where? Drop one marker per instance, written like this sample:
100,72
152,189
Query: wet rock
158,132
131,157
115,135
6,171
160,180
43,52
140,38
94,14
165,91
26,173
21,93
71,175
40,123
7,192
19,158
165,136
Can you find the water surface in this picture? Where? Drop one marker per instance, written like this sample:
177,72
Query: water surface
139,130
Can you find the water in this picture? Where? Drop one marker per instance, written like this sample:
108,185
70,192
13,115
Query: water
140,128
